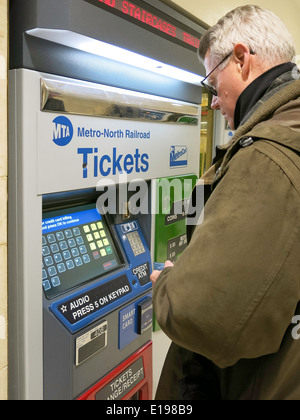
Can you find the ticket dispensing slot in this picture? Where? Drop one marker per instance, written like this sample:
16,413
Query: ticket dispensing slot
97,294
131,380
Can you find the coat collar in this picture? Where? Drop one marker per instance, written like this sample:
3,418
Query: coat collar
262,124
253,93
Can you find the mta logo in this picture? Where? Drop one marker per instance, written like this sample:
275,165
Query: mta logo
178,156
62,131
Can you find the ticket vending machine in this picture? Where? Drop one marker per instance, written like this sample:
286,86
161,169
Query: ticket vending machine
97,305
85,148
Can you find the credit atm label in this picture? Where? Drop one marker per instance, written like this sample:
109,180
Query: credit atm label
142,272
89,302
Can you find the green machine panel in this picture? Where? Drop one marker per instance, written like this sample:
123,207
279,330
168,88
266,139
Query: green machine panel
171,200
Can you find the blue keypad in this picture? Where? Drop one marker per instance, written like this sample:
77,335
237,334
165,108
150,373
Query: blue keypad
62,251
69,249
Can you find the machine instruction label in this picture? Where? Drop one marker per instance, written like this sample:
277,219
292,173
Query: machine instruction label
91,301
142,272
177,212
91,342
123,383
176,246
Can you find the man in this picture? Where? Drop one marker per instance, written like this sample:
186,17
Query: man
230,303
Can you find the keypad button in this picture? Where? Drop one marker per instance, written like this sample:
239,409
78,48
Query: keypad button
78,261
66,255
96,255
55,281
45,250
61,267
60,236
86,258
68,234
75,252
79,240
63,245
83,249
70,264
48,261
51,238
52,271
102,252
57,258
46,285
76,231
72,243
54,248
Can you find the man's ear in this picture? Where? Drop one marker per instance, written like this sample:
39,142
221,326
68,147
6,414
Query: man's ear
242,58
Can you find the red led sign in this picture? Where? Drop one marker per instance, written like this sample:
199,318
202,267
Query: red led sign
152,20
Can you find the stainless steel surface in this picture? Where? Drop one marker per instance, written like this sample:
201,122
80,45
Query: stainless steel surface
82,98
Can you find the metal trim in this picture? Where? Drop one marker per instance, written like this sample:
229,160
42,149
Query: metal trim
82,98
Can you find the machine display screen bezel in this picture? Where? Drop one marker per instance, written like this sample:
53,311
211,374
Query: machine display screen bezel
73,253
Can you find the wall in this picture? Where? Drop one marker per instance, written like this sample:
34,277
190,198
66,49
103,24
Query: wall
3,199
288,11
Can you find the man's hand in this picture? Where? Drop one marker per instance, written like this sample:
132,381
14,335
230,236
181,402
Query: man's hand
156,273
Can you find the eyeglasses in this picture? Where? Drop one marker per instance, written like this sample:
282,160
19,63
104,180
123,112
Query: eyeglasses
209,87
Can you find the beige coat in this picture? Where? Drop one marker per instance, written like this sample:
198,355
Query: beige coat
233,293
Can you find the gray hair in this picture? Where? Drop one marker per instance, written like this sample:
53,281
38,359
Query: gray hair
261,29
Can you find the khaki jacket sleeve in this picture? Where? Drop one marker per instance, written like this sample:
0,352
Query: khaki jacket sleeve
233,292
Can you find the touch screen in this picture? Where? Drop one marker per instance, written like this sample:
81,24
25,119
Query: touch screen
77,247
